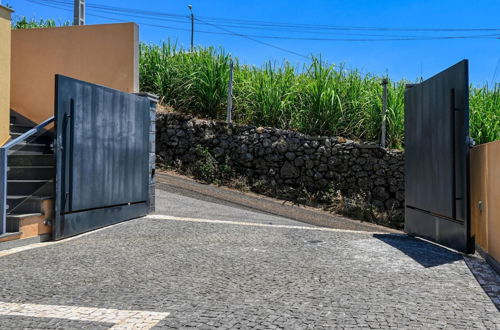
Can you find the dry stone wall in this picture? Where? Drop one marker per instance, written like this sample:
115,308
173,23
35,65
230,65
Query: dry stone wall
291,163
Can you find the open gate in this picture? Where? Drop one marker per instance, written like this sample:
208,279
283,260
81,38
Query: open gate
436,158
102,150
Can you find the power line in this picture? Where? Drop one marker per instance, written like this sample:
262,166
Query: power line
255,38
219,26
257,23
258,41
161,26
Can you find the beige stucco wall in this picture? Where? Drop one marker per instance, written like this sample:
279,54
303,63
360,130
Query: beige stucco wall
485,187
101,54
5,14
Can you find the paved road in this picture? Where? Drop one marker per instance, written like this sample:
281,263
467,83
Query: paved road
215,266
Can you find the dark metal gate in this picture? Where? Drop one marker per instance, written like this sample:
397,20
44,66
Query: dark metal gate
102,150
436,158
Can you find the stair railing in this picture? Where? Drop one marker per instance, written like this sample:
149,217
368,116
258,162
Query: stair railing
4,150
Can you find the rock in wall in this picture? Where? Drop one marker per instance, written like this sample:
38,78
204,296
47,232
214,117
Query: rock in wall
363,173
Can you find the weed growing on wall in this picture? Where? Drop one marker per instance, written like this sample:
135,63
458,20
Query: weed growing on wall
210,170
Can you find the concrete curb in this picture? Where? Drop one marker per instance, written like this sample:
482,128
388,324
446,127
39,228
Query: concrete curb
167,181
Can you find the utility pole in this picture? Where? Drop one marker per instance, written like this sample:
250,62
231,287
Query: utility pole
230,94
385,81
79,12
192,27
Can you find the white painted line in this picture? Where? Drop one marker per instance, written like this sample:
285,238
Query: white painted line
121,319
168,217
24,248
7,252
255,224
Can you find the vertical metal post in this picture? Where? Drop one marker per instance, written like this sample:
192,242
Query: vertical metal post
230,93
3,190
79,12
192,27
385,81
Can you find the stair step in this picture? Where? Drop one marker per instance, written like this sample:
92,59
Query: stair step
30,172
30,149
29,224
10,236
16,128
29,187
31,160
18,119
25,204
13,222
45,138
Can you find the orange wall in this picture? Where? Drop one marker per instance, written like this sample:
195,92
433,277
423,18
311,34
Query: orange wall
485,187
102,54
5,14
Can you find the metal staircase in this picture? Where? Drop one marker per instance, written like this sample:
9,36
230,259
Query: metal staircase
30,181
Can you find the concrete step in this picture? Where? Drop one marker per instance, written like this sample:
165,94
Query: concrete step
31,160
24,148
32,224
29,225
30,172
29,187
46,138
10,236
14,221
25,204
17,128
18,119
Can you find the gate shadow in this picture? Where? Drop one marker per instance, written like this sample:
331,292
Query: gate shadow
425,253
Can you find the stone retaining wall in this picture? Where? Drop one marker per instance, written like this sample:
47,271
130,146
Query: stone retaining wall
290,164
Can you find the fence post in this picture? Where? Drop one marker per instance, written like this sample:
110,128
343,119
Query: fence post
385,81
230,94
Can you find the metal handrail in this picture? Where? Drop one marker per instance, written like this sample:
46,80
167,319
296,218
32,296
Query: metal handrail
3,169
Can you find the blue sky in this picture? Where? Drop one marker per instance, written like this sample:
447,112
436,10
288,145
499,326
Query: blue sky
400,59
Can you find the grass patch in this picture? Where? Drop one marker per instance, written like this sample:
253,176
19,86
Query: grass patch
319,98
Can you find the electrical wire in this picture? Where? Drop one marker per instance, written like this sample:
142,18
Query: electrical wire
176,18
258,41
220,26
254,23
247,22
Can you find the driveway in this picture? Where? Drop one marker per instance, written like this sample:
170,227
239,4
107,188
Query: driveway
202,264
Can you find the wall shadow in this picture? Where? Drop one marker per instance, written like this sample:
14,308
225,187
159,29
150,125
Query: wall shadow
425,253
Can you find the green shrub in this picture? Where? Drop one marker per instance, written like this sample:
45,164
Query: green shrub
22,22
485,114
319,98
206,168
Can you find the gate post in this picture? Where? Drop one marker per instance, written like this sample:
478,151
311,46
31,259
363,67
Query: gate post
153,101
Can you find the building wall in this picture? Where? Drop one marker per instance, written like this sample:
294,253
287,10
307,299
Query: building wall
5,14
101,54
485,188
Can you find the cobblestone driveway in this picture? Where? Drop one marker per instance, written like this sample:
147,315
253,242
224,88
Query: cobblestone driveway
267,274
